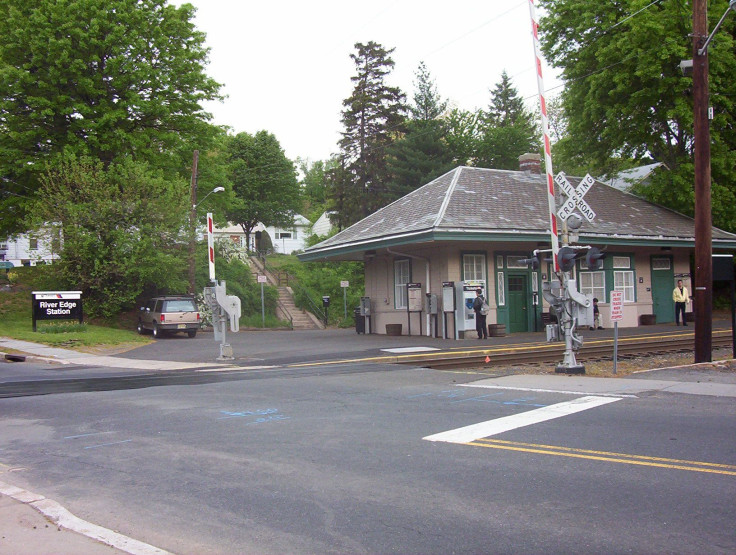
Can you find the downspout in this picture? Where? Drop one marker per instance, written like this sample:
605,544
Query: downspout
426,260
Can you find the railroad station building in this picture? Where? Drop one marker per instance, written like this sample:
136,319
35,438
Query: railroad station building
474,225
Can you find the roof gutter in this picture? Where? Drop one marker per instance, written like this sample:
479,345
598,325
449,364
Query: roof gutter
426,286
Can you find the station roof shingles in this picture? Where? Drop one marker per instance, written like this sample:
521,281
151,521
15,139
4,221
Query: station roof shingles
477,204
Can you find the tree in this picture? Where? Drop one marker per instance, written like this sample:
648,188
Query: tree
122,228
626,97
314,186
428,104
507,129
100,79
422,153
463,132
264,182
372,118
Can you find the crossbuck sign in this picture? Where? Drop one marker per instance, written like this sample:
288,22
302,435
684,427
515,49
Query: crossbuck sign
575,197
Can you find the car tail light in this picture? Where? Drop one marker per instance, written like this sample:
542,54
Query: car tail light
163,318
199,316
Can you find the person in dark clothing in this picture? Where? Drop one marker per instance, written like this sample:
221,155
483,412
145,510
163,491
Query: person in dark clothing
480,318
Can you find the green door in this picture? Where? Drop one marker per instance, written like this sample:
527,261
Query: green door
663,282
518,300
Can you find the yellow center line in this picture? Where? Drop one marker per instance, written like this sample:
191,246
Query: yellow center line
623,458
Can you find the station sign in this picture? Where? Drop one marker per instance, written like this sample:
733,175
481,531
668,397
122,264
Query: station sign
57,305
414,297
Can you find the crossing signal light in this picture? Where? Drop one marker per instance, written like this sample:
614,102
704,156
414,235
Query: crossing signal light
566,258
532,262
594,258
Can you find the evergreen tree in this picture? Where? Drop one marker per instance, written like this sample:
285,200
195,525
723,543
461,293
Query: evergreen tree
508,129
372,118
428,104
422,154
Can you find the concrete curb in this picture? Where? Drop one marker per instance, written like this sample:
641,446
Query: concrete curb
64,519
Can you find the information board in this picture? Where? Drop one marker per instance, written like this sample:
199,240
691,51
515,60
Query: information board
414,294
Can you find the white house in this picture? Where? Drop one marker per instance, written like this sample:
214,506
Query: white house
30,249
284,240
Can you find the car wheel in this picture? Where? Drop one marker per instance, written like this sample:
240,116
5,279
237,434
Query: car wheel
192,334
140,329
157,334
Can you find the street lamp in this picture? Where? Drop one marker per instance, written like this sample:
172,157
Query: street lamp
215,190
192,231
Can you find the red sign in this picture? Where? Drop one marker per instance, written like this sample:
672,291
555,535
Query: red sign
617,306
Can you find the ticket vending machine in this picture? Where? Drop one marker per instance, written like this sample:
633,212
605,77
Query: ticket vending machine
465,295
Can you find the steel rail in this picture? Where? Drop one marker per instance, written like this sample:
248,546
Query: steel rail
538,353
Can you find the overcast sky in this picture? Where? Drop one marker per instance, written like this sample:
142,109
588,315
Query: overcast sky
286,65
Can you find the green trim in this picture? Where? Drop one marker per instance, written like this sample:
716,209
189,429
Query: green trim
450,236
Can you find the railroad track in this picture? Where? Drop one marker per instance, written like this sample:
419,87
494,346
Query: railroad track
539,353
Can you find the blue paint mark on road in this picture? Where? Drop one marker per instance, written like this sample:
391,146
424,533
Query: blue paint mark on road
263,415
87,435
107,444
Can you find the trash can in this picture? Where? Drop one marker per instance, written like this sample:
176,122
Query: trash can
359,321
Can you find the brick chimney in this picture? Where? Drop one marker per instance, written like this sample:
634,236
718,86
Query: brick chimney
531,163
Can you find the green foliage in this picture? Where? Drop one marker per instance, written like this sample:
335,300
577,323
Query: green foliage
316,279
121,227
238,279
507,130
372,118
264,182
100,79
626,98
422,153
314,186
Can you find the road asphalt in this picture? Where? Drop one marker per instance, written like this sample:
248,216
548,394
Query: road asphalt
33,524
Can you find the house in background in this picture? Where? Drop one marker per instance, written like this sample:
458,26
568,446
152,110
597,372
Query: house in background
31,249
285,240
625,180
473,226
323,226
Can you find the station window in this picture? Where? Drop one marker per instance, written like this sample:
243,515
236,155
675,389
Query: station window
593,283
402,276
474,266
624,281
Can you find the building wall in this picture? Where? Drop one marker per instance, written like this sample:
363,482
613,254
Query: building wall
631,266
31,249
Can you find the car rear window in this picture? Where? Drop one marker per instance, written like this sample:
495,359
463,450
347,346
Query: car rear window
182,305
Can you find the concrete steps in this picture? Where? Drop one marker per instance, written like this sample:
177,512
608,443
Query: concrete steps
286,309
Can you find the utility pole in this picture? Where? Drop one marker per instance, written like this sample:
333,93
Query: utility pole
703,282
193,222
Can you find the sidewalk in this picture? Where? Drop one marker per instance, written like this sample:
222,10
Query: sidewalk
34,525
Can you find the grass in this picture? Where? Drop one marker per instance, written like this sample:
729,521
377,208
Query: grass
16,322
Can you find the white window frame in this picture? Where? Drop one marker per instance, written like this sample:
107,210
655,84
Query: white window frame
623,280
591,288
402,276
500,290
623,262
471,270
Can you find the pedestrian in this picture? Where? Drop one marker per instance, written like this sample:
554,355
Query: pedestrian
681,298
479,304
596,316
